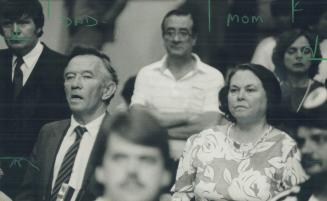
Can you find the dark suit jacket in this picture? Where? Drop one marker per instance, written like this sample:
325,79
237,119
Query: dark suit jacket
41,100
37,182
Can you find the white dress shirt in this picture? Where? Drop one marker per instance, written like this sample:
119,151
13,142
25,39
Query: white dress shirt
30,60
83,154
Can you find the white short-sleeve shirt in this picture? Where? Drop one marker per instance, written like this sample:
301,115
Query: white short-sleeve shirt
197,91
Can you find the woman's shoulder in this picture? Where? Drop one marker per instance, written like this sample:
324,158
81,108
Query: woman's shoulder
217,132
221,128
280,136
284,143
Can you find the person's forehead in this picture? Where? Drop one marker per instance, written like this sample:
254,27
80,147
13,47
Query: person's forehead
301,41
16,18
117,144
179,21
244,78
84,63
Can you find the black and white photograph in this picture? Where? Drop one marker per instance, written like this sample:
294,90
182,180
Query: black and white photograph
163,100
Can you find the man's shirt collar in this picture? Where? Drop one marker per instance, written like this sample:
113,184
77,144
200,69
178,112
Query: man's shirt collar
29,58
92,127
198,64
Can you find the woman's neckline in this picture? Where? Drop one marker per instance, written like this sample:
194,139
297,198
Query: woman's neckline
305,85
246,144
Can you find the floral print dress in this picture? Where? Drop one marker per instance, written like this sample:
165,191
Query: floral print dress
212,168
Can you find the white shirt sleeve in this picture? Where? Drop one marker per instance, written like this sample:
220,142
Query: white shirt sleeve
141,89
211,103
263,53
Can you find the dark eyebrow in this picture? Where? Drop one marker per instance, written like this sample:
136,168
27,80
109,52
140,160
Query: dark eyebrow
249,85
232,85
184,29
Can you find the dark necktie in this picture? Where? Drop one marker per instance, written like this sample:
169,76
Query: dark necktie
18,77
67,164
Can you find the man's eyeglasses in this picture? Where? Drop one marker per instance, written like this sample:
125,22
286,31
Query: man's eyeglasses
183,35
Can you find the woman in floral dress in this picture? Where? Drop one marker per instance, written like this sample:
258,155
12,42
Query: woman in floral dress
247,160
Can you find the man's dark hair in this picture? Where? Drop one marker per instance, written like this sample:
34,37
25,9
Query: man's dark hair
14,10
138,127
180,12
128,89
270,85
79,51
284,41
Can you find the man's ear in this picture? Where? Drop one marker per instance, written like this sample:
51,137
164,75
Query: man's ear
99,175
38,31
194,39
108,90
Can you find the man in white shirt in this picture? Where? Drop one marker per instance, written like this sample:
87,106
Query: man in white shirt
64,151
133,159
180,90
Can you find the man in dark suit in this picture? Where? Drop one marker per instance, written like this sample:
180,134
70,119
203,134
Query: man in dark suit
64,152
31,89
133,161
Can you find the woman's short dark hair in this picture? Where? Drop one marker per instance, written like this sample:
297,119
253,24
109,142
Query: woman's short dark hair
15,9
270,85
284,41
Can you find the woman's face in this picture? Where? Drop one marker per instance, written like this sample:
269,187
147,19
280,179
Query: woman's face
296,57
247,100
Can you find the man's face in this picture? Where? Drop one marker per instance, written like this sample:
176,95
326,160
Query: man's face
20,35
85,85
132,172
178,36
313,144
